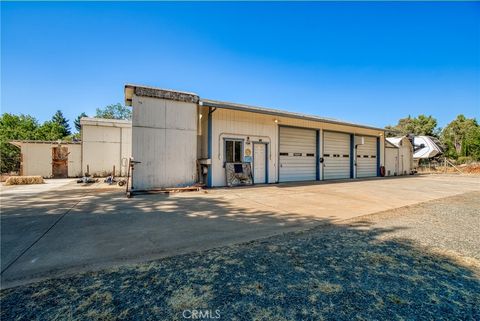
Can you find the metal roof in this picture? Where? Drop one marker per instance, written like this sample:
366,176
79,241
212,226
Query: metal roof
278,112
51,142
169,94
105,122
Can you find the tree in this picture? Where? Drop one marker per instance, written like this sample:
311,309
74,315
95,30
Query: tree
115,111
59,119
421,125
462,138
23,127
76,122
50,130
14,127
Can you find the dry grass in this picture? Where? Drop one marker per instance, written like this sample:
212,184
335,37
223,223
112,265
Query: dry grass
187,298
24,180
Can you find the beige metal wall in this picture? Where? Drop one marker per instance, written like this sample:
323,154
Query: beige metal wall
105,146
37,159
391,161
164,140
241,124
406,157
399,160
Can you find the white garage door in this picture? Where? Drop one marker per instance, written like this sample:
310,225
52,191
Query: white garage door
297,154
367,158
336,155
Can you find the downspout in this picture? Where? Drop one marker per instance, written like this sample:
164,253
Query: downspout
209,145
378,156
352,155
317,159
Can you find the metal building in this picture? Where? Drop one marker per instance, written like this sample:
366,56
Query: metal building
106,144
398,156
180,138
55,159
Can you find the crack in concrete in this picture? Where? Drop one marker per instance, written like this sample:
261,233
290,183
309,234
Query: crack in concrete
41,236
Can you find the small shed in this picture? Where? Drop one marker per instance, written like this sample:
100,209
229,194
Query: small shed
398,156
57,159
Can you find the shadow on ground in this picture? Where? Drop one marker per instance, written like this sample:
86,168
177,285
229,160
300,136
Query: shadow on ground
331,272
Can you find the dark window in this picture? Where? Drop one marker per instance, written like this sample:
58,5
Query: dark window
238,168
345,155
297,154
326,155
359,156
283,154
310,155
233,151
365,156
373,156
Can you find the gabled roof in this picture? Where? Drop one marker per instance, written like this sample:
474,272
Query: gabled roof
397,141
388,144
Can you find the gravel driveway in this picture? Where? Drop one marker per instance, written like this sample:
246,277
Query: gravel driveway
418,262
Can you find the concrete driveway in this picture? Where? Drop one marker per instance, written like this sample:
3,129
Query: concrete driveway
50,230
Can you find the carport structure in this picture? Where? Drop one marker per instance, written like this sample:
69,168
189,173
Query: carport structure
181,139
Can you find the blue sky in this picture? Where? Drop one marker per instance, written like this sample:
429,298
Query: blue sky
371,63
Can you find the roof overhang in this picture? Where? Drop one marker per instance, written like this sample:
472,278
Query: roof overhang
105,122
132,90
19,143
281,113
161,93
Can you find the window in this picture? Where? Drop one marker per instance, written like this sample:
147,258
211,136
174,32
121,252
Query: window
233,151
283,154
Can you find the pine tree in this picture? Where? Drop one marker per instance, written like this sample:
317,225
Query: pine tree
76,122
63,122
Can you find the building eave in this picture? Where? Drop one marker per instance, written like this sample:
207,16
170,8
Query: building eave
105,122
282,113
19,143
153,92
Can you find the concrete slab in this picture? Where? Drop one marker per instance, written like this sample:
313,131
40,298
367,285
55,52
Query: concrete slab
69,229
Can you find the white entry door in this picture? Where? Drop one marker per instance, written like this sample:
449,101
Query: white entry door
259,163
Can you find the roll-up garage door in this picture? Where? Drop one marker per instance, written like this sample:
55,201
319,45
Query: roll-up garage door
297,154
336,155
367,157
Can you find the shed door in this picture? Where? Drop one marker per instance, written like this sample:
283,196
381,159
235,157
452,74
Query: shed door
367,158
297,154
336,155
60,162
259,163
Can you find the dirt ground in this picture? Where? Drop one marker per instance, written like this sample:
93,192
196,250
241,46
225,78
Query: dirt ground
386,266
